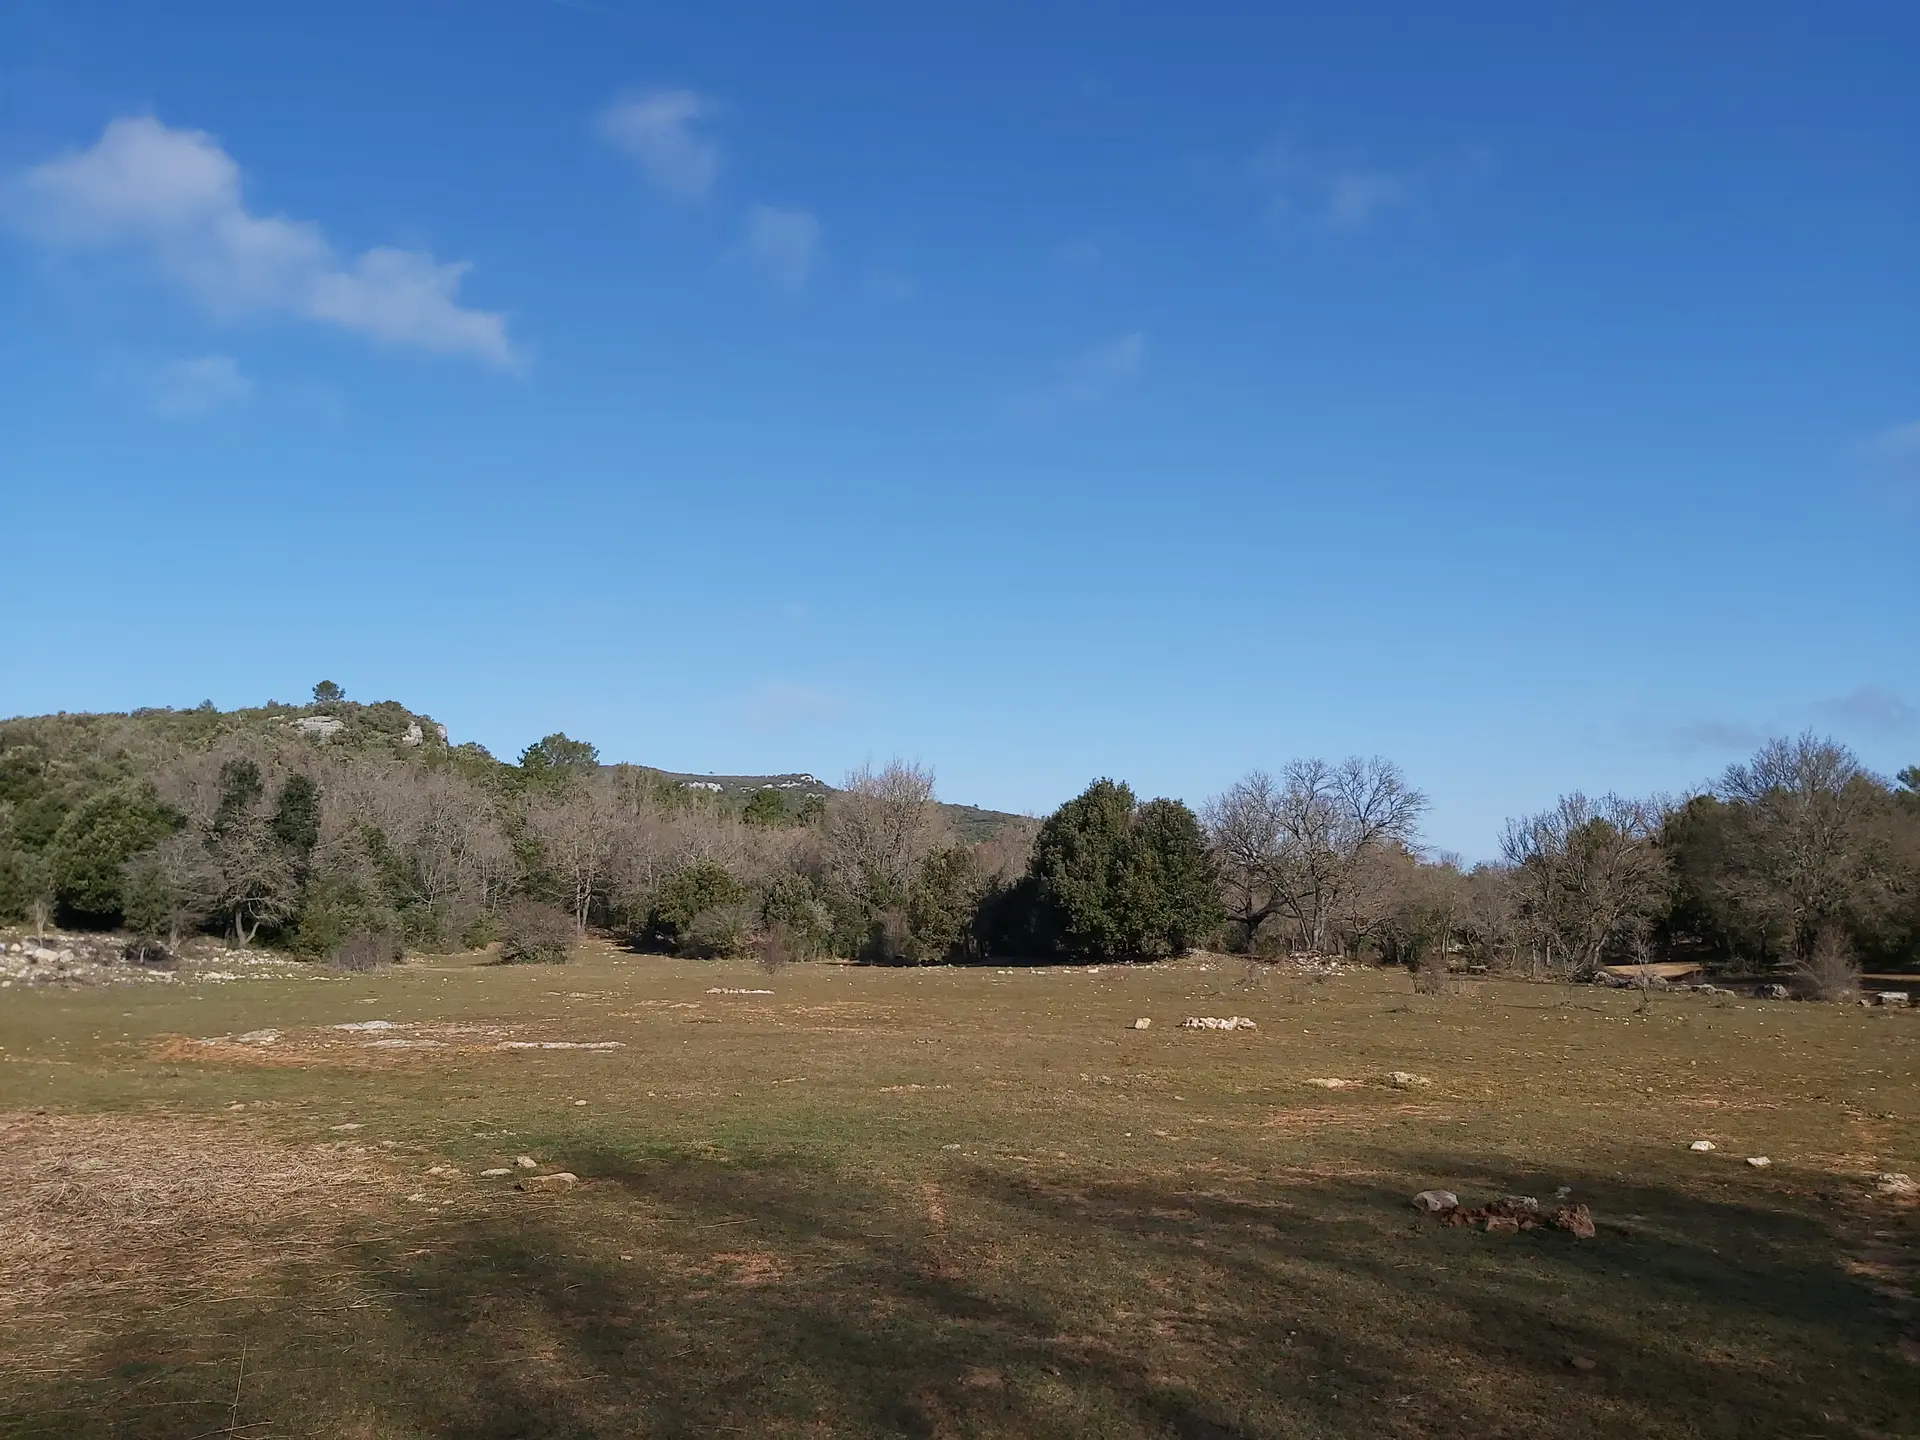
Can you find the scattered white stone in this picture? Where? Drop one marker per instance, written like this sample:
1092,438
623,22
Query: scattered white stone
949,1147
718,991
1214,1022
1896,1185
1759,1162
526,1162
420,1197
350,1125
558,1180
1145,1022
442,1170
1436,1202
405,1044
372,1025
1895,998
1333,1082
257,1037
563,1045
1562,1191
497,1170
1407,1080
1701,1146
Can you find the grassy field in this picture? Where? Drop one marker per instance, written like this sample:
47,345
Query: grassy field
944,1203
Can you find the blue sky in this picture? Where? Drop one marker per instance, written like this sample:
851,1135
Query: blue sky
1039,391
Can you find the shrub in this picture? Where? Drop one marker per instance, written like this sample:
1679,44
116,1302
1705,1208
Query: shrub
720,932
1113,879
535,934
686,894
364,950
1830,971
792,910
142,951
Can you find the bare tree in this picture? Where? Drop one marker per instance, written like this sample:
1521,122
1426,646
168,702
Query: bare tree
1302,849
879,829
1589,876
1804,854
578,830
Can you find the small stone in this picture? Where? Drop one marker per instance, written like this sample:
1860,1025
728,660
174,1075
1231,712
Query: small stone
1582,1363
1407,1080
579,1102
1759,1162
1895,998
1436,1202
526,1162
558,1180
1331,1082
1896,1185
1775,992
1143,1023
1576,1220
1501,1223
496,1171
1701,1147
949,1147
350,1125
1562,1191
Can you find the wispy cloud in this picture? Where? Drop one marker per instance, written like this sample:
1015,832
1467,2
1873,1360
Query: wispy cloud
786,705
174,195
189,389
785,244
1325,192
659,131
1088,378
1717,736
1873,707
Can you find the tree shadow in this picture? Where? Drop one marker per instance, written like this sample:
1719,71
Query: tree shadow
771,1295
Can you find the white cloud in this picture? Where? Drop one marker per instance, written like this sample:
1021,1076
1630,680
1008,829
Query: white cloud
1898,443
1086,379
188,389
175,195
784,243
1316,191
1356,197
656,129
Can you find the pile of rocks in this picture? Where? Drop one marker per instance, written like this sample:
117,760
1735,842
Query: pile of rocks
1509,1213
1215,1022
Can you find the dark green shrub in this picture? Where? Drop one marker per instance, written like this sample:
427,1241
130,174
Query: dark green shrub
720,932
686,893
89,855
765,808
796,915
1115,880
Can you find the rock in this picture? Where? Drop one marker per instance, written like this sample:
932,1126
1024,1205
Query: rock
1759,1162
1775,992
1895,998
257,1037
360,1025
526,1162
1581,1363
1517,1205
1561,1192
1143,1023
558,1180
319,727
1436,1202
497,1170
1407,1080
579,1102
1214,1022
1333,1082
1701,1146
1501,1223
1895,1185
1576,1220
351,1125
414,735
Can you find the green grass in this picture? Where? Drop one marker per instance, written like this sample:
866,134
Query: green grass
946,1203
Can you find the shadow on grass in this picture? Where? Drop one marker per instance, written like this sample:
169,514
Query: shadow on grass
770,1297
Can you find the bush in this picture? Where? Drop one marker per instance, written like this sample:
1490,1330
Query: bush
1830,971
363,951
686,894
720,932
146,952
792,911
1112,879
535,934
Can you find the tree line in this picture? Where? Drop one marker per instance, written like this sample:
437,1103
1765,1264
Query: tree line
333,827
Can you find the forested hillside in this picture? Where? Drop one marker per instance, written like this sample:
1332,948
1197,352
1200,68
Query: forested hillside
337,824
